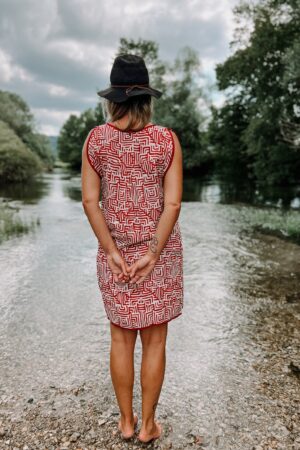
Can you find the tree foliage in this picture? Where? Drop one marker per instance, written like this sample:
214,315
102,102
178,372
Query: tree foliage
225,133
15,112
17,161
41,146
263,76
73,134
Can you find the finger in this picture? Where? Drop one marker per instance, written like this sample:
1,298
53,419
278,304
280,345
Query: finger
126,279
116,279
136,269
132,271
135,279
121,277
123,265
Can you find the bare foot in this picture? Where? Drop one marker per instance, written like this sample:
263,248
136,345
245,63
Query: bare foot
149,436
128,431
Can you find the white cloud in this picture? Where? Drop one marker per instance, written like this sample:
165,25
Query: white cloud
49,121
9,70
59,91
57,54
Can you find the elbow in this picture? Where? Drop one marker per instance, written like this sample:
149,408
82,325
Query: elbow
85,206
174,205
88,204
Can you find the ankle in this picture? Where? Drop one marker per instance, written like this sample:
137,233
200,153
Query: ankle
148,424
127,419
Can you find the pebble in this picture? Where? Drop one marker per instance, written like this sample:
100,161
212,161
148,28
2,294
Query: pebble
74,437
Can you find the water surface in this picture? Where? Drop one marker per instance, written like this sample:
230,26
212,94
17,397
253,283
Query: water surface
228,382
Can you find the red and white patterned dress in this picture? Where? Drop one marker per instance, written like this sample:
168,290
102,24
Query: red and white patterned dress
131,166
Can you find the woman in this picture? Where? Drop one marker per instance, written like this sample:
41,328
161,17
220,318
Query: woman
139,261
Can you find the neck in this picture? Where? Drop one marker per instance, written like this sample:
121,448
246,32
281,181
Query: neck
122,123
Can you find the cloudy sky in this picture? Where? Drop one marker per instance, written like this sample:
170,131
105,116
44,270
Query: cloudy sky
57,53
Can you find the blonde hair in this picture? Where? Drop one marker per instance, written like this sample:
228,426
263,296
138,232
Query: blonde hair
139,109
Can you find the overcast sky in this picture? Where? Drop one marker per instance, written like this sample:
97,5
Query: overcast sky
57,53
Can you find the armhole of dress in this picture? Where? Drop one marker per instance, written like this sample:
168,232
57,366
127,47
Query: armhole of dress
173,151
88,155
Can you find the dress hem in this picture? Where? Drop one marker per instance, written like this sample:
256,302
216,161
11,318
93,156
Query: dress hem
142,328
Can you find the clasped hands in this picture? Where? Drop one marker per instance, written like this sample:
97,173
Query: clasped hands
136,273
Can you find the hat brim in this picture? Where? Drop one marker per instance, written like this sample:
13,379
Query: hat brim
119,95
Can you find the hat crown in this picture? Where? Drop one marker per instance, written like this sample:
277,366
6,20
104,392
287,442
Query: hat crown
129,69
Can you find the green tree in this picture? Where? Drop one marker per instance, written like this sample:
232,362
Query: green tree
41,146
290,127
180,108
259,72
225,134
74,133
17,161
15,112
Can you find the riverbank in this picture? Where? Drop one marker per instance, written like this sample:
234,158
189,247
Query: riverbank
284,224
11,224
82,417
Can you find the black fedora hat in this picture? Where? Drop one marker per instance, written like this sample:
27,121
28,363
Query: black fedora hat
129,77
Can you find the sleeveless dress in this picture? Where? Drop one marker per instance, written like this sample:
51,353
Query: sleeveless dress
131,166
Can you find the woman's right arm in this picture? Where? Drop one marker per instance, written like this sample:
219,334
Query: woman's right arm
173,187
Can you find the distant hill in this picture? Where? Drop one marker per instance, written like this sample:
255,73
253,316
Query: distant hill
53,140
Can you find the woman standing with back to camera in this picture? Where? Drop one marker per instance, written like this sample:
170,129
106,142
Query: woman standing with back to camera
138,166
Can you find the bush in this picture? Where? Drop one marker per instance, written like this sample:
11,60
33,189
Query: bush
17,162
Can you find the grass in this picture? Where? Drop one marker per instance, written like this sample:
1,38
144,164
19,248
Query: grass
11,224
284,224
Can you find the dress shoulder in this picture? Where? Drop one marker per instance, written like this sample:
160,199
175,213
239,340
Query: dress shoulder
168,147
93,147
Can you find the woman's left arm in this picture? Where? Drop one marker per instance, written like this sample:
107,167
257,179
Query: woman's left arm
90,185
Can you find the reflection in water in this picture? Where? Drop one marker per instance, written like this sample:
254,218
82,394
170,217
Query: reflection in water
214,191
205,190
54,329
29,192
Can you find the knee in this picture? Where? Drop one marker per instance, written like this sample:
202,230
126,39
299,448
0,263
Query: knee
154,337
123,338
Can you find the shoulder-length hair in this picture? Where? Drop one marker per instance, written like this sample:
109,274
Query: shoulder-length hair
139,109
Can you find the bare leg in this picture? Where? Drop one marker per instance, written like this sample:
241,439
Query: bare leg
122,373
152,376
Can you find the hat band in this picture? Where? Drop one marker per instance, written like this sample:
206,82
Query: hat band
132,86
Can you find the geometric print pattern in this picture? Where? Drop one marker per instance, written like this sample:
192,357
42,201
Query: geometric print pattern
131,166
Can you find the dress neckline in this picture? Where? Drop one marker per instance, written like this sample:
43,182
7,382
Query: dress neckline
129,131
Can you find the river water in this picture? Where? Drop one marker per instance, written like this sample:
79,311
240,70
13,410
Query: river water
231,379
